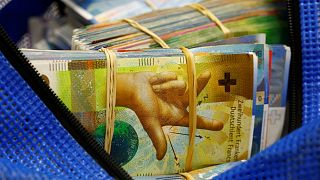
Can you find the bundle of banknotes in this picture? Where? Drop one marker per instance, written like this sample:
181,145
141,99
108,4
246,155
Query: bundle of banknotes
242,78
151,134
179,26
186,26
151,125
55,31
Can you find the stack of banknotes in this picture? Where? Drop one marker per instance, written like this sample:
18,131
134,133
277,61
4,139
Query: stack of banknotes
186,26
151,134
180,25
150,131
55,31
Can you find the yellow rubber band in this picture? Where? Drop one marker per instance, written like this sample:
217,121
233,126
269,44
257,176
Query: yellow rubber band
155,37
210,15
187,176
192,83
150,4
110,96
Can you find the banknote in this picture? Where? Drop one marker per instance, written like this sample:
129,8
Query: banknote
150,131
262,91
247,39
281,56
199,174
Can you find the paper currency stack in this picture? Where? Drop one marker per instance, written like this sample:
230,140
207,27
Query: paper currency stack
186,26
240,86
54,29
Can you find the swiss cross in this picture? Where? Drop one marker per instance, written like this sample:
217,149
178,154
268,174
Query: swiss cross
275,116
227,82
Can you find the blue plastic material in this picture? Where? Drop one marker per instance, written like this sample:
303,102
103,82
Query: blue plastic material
296,156
9,170
310,37
30,134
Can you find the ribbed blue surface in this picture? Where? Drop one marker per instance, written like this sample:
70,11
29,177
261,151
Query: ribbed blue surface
9,170
310,37
31,136
296,156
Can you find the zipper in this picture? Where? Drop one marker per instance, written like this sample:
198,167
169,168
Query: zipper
55,105
295,76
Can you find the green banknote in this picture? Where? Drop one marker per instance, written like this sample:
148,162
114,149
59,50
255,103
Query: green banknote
151,125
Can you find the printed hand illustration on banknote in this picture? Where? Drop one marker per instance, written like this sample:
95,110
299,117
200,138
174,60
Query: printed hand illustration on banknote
160,99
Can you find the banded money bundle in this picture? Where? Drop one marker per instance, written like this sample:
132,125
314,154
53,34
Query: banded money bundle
54,29
151,128
188,26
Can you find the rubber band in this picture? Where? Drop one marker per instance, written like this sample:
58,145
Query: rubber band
111,80
192,83
187,176
111,100
211,16
150,4
155,37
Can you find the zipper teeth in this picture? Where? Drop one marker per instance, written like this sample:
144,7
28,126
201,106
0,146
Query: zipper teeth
61,112
4,3
295,85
